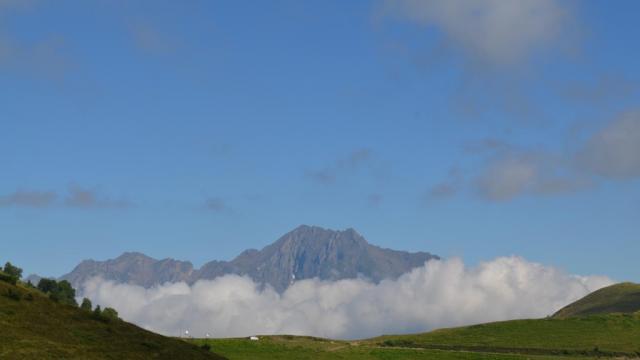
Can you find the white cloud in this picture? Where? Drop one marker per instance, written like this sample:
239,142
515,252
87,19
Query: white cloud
495,32
439,294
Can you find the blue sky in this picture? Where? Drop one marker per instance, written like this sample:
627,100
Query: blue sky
195,131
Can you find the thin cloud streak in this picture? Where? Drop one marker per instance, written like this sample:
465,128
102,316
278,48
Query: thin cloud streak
25,198
341,167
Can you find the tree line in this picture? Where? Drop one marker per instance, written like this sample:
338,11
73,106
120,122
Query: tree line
58,291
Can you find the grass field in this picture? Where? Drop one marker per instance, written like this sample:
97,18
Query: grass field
610,336
305,348
598,335
34,327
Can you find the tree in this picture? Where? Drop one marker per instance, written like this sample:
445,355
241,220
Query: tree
12,270
61,291
47,285
66,293
110,313
97,311
86,304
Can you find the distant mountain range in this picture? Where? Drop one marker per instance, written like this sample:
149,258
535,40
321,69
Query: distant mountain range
304,253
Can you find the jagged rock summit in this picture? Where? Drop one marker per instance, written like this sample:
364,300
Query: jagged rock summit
303,253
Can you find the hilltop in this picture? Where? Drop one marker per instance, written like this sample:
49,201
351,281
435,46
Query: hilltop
303,253
618,298
35,327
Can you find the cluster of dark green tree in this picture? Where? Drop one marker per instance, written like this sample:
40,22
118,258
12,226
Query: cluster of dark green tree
58,291
10,273
108,313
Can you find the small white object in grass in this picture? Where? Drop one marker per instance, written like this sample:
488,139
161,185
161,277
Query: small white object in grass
253,338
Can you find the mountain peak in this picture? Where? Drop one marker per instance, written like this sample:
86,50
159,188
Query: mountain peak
132,255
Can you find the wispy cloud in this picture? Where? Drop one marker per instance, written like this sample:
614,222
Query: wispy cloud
29,198
439,294
614,151
216,204
45,56
375,199
342,166
490,32
513,173
446,189
76,197
602,89
149,38
85,198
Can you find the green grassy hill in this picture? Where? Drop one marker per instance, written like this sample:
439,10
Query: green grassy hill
596,335
618,298
34,327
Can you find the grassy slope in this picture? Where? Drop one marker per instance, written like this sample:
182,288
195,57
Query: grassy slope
306,348
615,333
619,298
41,329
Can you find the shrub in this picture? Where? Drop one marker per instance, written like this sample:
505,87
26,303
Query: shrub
86,304
97,313
110,313
8,278
47,285
206,347
12,270
29,297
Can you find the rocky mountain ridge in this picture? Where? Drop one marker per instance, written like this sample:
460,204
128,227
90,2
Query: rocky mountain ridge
304,253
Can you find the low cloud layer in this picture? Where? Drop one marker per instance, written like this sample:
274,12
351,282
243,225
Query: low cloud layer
439,294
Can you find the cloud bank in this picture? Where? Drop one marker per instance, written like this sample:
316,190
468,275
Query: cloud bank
439,294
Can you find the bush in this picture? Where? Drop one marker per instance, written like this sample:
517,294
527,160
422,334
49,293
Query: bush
47,285
12,270
29,297
206,347
86,304
8,278
110,313
97,312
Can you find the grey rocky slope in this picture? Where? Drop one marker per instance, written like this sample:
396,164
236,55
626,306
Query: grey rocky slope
304,253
